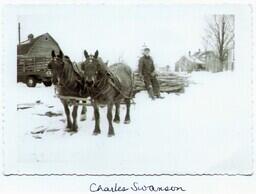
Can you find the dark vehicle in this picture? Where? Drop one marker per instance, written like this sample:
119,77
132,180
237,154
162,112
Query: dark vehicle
33,57
33,70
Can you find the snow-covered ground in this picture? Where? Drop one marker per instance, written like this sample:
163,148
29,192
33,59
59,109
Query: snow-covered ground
207,129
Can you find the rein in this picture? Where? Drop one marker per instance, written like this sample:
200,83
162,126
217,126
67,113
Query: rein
100,85
114,86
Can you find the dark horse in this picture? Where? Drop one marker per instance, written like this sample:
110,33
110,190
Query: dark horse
107,85
68,83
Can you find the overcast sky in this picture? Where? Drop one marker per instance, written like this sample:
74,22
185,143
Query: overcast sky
118,31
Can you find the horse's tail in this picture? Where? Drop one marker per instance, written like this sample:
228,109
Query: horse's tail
132,77
132,94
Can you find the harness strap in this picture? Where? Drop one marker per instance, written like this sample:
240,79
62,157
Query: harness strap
119,90
101,89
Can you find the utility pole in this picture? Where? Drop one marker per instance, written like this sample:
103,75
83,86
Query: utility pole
19,31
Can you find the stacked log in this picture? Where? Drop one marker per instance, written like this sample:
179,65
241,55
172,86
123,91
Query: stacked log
169,82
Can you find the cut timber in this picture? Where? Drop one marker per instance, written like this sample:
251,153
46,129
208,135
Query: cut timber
169,82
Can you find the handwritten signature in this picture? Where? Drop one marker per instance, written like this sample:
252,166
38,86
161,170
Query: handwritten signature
134,187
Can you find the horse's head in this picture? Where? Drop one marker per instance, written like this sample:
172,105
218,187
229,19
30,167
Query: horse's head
57,66
91,68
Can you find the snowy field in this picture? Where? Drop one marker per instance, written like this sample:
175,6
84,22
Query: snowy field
205,130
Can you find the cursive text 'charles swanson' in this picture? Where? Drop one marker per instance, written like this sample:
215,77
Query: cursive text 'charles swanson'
134,187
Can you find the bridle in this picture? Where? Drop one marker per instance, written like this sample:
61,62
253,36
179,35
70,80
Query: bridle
100,84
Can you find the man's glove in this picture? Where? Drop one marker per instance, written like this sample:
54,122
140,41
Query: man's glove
153,74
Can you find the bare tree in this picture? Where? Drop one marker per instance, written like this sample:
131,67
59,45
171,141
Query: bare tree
220,37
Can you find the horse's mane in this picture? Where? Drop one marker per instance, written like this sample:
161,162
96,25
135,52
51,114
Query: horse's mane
66,57
103,66
69,72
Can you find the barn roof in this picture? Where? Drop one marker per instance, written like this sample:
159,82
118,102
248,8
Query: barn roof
24,47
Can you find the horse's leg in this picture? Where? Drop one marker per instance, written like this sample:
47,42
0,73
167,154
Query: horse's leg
67,112
97,119
83,112
127,116
74,115
117,113
110,117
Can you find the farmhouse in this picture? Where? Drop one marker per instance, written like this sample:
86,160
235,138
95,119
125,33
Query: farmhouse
189,63
39,46
205,61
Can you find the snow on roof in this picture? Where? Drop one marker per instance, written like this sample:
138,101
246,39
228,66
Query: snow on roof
193,59
196,57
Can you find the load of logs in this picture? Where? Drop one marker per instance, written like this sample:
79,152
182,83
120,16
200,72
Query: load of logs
169,82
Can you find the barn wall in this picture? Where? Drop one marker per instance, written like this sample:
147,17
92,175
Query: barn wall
43,47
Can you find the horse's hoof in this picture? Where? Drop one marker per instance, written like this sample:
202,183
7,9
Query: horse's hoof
111,134
74,128
116,121
96,133
68,129
127,122
83,118
71,131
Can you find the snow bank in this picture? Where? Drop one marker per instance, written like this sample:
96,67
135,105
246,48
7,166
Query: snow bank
205,130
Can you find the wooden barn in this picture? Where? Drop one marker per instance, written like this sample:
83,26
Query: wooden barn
33,56
39,46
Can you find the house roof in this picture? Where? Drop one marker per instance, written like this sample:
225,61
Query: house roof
194,59
197,57
24,47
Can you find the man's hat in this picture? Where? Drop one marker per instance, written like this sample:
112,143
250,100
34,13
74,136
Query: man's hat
146,49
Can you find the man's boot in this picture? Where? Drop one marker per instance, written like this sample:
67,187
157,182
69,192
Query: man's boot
159,96
150,93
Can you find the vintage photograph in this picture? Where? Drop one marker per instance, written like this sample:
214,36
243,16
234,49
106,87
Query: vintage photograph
128,89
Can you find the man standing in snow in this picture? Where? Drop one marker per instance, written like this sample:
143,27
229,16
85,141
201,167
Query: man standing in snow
148,74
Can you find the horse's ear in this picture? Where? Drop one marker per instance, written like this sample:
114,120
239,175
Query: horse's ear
86,54
82,66
53,54
96,54
49,66
61,54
